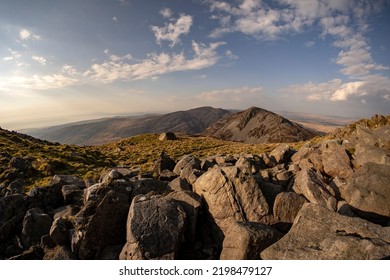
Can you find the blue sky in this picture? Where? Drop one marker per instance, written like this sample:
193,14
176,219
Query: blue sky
63,61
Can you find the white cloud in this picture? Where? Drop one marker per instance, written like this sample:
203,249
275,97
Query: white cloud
13,55
155,65
231,55
40,59
166,12
69,70
38,82
230,94
25,34
115,19
172,31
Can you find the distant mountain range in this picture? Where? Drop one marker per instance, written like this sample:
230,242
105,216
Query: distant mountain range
253,125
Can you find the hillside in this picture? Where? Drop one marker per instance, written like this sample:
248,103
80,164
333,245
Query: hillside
256,125
224,200
112,129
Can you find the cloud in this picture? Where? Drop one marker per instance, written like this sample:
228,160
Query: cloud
373,87
13,55
119,68
172,31
115,19
38,82
166,12
309,44
230,94
25,34
231,55
69,70
40,59
124,2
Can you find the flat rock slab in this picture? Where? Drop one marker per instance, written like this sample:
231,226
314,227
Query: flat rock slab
321,234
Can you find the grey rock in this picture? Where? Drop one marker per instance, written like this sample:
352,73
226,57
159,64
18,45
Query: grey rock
155,229
36,224
179,184
246,240
336,162
164,162
59,231
62,253
231,195
12,212
282,154
188,161
368,190
310,185
365,154
107,226
167,136
318,233
286,208
72,194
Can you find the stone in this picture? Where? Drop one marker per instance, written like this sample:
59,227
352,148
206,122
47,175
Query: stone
59,231
33,253
179,184
111,252
188,161
16,187
286,208
147,185
310,185
246,240
245,165
12,212
167,136
368,190
155,229
107,226
192,204
164,162
365,154
167,175
72,194
344,209
282,154
231,195
321,234
336,162
36,224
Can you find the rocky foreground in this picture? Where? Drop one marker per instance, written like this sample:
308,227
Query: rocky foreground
328,200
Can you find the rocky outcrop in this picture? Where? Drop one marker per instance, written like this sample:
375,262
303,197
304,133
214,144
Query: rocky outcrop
319,233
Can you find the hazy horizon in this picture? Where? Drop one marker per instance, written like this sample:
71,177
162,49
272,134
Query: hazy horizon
66,61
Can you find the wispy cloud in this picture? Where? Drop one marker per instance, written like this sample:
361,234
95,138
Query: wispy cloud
38,82
40,59
230,94
166,12
13,55
26,34
172,31
114,19
309,44
120,68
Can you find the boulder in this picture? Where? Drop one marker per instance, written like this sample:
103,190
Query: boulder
282,154
246,240
368,190
321,234
59,231
286,208
36,224
167,136
155,229
62,253
336,162
188,161
164,162
310,185
12,212
364,154
231,195
107,226
179,184
147,185
72,194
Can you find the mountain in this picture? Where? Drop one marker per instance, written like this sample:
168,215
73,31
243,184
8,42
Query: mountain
112,129
256,125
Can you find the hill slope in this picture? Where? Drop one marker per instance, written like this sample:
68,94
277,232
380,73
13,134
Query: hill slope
108,130
256,125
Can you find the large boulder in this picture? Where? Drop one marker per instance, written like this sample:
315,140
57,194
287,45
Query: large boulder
164,162
167,136
336,161
286,208
36,224
155,228
365,154
310,185
187,161
106,226
282,154
231,195
368,190
318,233
246,240
12,212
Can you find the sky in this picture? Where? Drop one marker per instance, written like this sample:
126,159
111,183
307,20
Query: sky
64,61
